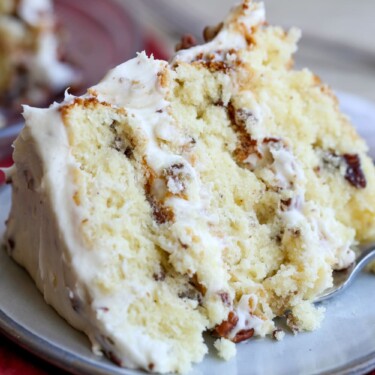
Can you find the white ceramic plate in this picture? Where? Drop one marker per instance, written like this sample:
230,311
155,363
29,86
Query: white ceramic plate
345,344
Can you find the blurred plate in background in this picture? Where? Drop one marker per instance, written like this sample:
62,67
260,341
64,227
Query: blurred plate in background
97,35
100,35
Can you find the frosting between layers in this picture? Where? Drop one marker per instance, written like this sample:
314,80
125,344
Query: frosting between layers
135,86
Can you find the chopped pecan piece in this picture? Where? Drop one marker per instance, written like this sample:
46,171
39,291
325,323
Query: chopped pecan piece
128,152
210,32
216,65
243,335
285,204
225,327
246,145
271,140
187,41
354,173
353,170
162,214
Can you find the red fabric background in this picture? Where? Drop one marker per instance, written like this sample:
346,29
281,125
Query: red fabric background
5,163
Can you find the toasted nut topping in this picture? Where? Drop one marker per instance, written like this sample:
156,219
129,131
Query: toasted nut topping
187,41
225,298
285,204
210,32
161,214
243,335
225,327
246,145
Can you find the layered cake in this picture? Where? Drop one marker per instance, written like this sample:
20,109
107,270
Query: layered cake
31,70
209,194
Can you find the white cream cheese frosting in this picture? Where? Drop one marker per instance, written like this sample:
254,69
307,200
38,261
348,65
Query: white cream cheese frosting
232,34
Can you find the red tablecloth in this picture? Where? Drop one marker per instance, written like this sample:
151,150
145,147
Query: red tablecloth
16,361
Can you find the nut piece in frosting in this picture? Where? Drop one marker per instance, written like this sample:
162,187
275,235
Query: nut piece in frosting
209,194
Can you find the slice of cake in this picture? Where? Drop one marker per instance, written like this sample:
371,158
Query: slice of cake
31,69
209,194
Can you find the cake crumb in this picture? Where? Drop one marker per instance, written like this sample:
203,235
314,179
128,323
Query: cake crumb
226,349
278,334
306,317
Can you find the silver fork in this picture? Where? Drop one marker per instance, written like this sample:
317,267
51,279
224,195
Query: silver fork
342,279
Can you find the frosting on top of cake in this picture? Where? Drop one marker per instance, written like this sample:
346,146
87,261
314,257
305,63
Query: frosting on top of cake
32,45
232,35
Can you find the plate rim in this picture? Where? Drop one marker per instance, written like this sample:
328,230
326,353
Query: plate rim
51,352
76,364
